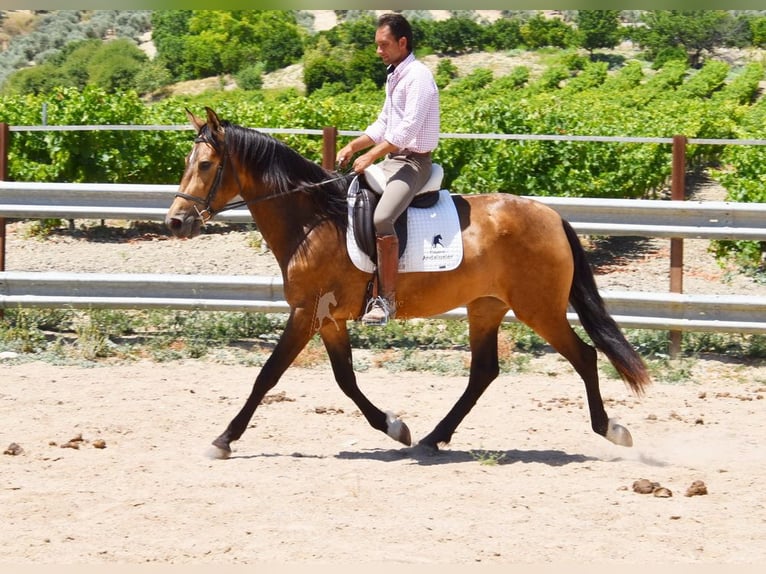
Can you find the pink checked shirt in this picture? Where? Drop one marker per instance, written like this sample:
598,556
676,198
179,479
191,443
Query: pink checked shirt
410,115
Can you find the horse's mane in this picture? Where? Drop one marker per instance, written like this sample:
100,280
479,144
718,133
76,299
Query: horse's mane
284,170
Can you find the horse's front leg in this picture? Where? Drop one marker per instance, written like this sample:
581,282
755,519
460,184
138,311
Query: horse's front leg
295,337
336,341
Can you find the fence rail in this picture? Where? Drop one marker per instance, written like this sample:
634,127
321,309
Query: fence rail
643,217
681,312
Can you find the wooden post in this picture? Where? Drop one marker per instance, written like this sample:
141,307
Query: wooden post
4,140
677,193
329,143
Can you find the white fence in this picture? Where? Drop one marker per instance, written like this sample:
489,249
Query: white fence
666,311
650,218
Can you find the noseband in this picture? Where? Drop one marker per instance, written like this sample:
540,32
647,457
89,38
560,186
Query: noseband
207,212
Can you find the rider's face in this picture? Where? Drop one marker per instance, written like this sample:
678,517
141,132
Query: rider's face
390,50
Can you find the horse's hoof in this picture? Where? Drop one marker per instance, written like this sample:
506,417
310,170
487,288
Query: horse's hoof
618,434
220,450
397,430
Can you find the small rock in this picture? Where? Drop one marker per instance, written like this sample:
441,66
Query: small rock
662,492
8,355
13,449
99,443
645,486
697,488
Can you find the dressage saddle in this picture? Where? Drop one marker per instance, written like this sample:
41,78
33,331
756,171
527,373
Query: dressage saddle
371,185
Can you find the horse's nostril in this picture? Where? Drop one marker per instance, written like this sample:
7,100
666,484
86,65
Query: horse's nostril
174,223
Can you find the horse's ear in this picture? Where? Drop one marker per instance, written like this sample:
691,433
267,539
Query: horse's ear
214,124
194,120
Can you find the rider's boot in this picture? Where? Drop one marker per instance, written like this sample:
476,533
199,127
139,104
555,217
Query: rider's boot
383,307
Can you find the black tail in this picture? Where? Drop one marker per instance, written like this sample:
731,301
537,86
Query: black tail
599,324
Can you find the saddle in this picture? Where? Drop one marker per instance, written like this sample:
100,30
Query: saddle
371,184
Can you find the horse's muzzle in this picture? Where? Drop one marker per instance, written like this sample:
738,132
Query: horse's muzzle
184,225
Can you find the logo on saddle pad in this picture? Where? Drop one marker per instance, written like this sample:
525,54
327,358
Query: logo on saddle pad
429,237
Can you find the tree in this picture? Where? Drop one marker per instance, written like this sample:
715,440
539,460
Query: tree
598,28
504,34
115,64
696,31
457,35
758,30
540,31
200,43
169,28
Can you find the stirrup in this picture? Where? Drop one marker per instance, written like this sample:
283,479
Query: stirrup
377,312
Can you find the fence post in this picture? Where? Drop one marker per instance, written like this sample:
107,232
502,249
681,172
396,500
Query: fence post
4,136
677,193
329,143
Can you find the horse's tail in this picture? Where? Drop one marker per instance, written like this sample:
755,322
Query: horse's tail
599,324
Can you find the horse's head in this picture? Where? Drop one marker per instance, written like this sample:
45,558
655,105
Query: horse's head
209,180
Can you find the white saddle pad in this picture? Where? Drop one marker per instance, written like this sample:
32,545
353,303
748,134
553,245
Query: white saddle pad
434,242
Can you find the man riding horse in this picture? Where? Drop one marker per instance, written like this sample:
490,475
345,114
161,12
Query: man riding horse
404,134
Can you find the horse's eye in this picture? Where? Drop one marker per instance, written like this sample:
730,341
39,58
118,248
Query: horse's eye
205,165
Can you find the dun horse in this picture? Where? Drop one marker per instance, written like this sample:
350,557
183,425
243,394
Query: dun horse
518,255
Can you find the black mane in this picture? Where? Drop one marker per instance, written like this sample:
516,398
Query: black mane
284,170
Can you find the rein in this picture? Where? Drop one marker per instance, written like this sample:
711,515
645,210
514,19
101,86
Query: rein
207,213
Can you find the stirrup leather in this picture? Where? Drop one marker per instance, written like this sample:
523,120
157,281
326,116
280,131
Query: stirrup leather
377,312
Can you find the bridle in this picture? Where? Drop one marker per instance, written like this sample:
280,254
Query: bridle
207,212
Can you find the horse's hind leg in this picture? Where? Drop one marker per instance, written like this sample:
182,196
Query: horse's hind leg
584,359
336,341
484,317
294,338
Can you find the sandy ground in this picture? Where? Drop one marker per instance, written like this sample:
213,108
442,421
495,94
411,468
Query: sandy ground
310,483
524,480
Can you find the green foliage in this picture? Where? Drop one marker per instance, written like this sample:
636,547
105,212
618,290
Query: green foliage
50,32
504,34
112,66
745,181
92,156
591,76
697,32
169,29
703,83
115,64
446,71
665,55
744,88
539,32
201,43
251,77
758,31
598,28
457,35
470,86
344,67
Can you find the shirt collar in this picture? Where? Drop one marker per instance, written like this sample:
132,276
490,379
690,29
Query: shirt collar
391,69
